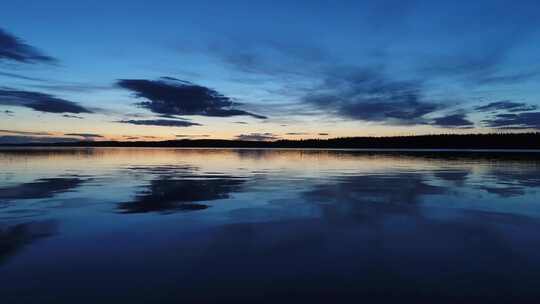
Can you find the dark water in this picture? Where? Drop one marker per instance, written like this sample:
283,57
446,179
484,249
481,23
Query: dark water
253,226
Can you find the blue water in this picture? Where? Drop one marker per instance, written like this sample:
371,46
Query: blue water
268,226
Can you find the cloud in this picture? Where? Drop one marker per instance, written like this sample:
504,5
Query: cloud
170,96
22,139
482,47
18,76
192,136
71,87
39,102
453,121
25,133
529,120
509,78
480,65
257,137
474,64
129,137
259,59
507,105
161,122
86,136
72,116
14,49
366,94
269,57
57,86
8,112
297,133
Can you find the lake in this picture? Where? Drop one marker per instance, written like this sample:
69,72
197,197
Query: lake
112,225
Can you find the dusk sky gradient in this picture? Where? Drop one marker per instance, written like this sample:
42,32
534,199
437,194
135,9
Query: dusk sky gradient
265,70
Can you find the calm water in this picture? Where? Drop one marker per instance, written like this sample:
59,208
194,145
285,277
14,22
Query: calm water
252,226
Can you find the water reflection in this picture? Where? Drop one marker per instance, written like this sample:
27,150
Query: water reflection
41,188
269,225
14,238
506,191
458,176
402,188
169,194
175,188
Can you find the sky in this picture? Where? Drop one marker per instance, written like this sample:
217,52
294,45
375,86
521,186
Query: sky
266,70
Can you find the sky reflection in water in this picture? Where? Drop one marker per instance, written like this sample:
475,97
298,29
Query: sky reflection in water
259,225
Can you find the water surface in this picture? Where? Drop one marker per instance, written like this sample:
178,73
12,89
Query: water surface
252,226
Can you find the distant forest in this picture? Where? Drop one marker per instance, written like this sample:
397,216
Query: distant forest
453,141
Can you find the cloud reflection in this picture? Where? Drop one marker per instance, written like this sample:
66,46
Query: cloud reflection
401,188
177,189
16,237
41,188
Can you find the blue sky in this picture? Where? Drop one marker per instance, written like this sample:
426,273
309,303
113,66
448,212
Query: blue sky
135,70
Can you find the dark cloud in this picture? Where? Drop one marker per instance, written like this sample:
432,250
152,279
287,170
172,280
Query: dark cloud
87,136
241,122
21,139
128,137
453,121
366,94
8,112
40,102
170,116
161,122
41,188
297,133
169,96
257,137
14,49
529,120
323,134
72,116
507,105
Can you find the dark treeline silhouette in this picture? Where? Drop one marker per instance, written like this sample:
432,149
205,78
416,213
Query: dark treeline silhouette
441,141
